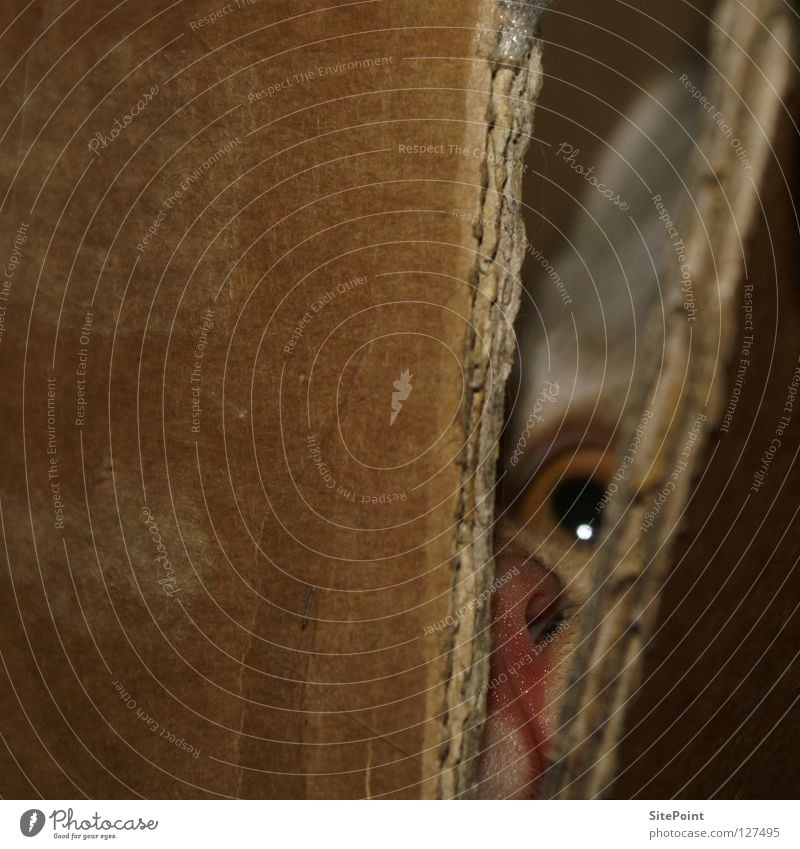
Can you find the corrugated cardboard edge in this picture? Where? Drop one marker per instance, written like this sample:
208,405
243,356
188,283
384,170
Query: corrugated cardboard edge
497,291
617,626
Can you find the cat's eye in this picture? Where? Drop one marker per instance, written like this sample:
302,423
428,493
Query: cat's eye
567,495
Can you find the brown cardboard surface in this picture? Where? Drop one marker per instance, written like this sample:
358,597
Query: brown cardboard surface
226,239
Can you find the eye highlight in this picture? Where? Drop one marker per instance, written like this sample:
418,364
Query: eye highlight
575,503
565,496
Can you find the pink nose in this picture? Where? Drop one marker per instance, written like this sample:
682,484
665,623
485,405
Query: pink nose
525,606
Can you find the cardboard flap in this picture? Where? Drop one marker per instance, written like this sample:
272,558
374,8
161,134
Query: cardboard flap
263,264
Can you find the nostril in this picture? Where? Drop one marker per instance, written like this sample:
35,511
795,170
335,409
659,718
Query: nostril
528,598
526,612
543,610
542,629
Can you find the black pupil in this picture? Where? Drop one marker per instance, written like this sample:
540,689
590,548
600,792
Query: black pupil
575,504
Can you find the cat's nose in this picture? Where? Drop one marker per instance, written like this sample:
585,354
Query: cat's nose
526,610
526,615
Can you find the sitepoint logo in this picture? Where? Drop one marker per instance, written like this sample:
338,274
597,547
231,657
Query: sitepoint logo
31,822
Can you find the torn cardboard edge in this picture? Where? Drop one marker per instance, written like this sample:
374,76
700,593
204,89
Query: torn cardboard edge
497,292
